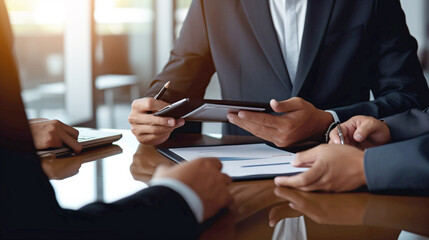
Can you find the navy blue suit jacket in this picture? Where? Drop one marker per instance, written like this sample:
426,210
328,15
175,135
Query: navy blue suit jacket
403,166
349,47
28,207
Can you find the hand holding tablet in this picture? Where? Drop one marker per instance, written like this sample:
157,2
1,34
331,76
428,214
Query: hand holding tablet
209,110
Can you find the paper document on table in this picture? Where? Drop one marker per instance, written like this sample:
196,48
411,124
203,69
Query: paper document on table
244,160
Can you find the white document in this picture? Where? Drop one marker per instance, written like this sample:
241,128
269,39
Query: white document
245,159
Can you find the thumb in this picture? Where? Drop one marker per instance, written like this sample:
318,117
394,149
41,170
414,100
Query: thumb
289,105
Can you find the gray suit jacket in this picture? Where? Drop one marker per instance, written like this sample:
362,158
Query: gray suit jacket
349,47
403,166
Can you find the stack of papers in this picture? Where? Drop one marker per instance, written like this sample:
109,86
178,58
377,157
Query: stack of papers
242,161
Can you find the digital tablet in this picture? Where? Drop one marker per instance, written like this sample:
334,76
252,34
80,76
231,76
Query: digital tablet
207,110
88,137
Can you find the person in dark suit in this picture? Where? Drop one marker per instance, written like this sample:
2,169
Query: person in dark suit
389,156
178,200
318,54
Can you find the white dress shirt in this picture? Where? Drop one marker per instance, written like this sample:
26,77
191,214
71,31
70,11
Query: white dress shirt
289,20
290,229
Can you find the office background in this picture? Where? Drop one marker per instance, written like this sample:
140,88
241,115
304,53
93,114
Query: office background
84,61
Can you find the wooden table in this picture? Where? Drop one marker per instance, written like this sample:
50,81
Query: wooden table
110,173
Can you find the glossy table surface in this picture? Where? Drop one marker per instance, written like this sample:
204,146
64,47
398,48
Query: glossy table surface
260,209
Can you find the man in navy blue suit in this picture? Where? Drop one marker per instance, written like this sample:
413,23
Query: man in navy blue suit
322,57
178,200
390,156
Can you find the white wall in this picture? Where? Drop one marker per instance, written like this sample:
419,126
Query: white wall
415,14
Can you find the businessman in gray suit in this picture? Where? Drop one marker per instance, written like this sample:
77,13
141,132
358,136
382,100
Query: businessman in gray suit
317,55
396,158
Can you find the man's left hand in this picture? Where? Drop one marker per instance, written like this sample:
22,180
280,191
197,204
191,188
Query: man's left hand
299,121
333,168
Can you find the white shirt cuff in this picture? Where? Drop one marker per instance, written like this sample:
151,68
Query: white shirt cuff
191,198
334,115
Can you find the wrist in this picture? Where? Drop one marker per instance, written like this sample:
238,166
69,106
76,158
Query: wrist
387,130
186,192
324,120
361,177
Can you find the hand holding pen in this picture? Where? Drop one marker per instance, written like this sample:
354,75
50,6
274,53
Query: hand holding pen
340,133
150,129
362,132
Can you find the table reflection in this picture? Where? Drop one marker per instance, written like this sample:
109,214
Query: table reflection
65,167
263,211
145,161
410,214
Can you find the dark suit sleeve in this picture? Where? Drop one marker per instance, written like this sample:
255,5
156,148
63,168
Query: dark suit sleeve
29,208
409,124
190,66
401,167
399,81
154,213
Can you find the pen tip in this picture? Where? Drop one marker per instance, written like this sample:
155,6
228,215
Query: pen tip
167,84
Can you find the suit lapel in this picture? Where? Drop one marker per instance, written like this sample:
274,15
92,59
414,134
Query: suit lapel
316,22
259,17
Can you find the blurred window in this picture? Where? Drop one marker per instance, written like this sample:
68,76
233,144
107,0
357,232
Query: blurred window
38,26
182,7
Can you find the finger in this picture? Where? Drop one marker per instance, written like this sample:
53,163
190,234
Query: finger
305,158
260,118
281,212
300,180
69,130
211,162
53,140
334,138
298,200
288,194
264,132
290,105
149,119
70,141
226,179
153,139
215,163
364,130
316,186
148,129
147,104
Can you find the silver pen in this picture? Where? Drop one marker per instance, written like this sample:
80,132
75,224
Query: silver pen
162,91
340,133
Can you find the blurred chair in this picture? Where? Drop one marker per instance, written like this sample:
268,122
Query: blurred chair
114,71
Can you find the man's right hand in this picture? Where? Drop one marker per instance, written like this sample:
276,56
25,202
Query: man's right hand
148,128
362,132
204,177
